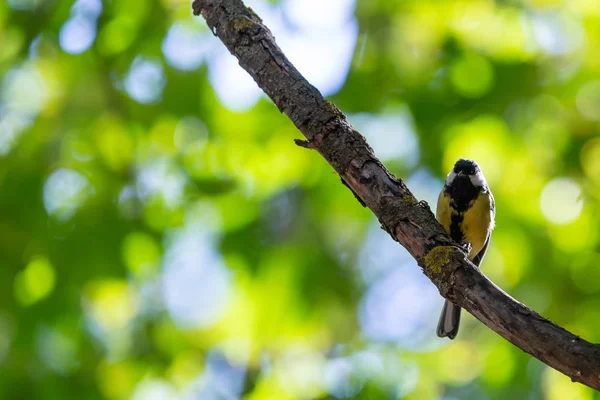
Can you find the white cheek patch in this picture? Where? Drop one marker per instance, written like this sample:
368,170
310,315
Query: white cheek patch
478,180
450,177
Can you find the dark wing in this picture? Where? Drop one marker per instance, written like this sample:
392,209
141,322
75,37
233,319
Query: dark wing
479,257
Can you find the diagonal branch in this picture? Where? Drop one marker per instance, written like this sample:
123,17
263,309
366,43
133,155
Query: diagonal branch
407,220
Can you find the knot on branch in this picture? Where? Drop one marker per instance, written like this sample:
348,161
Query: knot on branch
199,5
305,144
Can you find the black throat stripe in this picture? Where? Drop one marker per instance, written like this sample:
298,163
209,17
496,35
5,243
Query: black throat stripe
455,232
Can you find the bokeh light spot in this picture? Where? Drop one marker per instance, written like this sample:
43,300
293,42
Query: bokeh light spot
155,389
588,100
88,8
11,127
128,202
64,192
560,201
113,303
472,76
590,159
116,36
35,282
24,91
222,379
161,177
161,137
341,379
185,367
13,42
392,135
460,362
57,350
300,372
117,380
79,32
114,142
110,307
77,35
196,285
235,88
145,81
186,47
334,48
141,253
557,33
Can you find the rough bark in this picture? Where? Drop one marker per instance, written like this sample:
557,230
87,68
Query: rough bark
408,221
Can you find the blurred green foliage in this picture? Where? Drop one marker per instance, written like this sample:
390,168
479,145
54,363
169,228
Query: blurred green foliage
162,237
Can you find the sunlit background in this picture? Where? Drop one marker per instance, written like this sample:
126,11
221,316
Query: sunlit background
161,236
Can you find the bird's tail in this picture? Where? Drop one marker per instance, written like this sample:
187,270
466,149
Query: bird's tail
449,320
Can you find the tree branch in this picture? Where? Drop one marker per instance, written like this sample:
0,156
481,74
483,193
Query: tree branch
407,220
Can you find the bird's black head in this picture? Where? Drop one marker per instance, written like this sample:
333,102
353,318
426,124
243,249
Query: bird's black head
467,167
464,183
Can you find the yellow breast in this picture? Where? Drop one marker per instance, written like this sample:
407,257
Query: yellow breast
475,223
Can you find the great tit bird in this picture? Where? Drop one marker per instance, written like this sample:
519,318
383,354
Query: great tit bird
466,210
